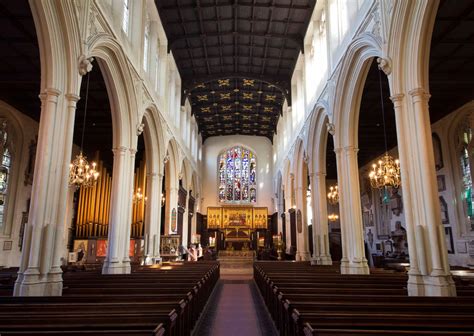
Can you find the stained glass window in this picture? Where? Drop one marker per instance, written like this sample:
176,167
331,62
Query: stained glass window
4,169
237,176
465,140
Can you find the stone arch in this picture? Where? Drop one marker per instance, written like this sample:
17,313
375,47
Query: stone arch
349,88
317,140
154,141
119,84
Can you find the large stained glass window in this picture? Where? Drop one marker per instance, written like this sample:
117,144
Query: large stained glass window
5,165
465,152
237,176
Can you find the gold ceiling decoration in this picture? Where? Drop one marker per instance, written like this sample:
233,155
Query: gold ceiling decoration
249,82
244,117
215,104
226,108
268,109
202,98
247,107
205,109
236,103
271,86
266,118
211,132
224,82
236,90
227,117
200,86
264,126
208,119
259,91
270,98
225,96
248,95
246,126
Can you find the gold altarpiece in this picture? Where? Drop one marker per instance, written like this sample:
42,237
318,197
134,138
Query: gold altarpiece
237,223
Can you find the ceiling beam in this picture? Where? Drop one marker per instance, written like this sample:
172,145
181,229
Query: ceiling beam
234,4
296,39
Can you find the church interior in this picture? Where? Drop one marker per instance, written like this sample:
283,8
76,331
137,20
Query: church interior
237,167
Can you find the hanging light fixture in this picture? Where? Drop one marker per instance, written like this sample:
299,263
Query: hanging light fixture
163,199
333,217
333,195
386,172
138,196
81,173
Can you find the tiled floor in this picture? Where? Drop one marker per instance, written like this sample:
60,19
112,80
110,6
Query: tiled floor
235,309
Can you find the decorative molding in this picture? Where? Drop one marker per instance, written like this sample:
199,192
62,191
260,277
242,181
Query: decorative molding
140,128
385,64
331,128
84,64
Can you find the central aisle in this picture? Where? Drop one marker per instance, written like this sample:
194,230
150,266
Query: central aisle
235,309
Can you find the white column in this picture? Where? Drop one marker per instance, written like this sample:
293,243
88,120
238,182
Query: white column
172,203
128,206
352,236
184,238
429,272
153,217
321,254
39,272
302,242
114,263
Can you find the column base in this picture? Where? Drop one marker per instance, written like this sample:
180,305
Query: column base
303,256
360,267
428,285
32,283
116,267
321,260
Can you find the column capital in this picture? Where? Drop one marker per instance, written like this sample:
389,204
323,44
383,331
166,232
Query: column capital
419,94
349,149
50,93
397,98
154,175
121,150
133,151
71,97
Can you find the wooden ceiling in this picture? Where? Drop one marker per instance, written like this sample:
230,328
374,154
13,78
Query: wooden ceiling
236,42
451,75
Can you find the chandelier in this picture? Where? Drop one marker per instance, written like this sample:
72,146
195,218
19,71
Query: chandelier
138,196
386,172
163,199
81,173
333,195
333,217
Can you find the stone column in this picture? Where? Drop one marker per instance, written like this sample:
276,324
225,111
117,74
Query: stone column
185,219
153,217
353,256
40,272
128,206
321,254
114,263
429,272
302,243
172,203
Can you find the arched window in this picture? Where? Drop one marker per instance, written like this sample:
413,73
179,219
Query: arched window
5,166
237,176
465,152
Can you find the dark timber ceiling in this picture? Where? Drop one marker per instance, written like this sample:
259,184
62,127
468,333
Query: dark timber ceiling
451,80
237,42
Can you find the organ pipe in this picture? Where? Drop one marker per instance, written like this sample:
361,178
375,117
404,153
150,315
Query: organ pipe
92,219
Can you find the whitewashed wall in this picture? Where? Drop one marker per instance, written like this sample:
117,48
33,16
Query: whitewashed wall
261,146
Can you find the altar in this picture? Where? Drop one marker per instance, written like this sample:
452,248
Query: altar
236,228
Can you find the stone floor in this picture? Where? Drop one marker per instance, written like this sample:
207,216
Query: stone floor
235,308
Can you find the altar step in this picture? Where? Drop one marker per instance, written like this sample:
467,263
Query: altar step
236,264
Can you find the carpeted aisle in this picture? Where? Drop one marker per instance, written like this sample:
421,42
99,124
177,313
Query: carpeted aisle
235,309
